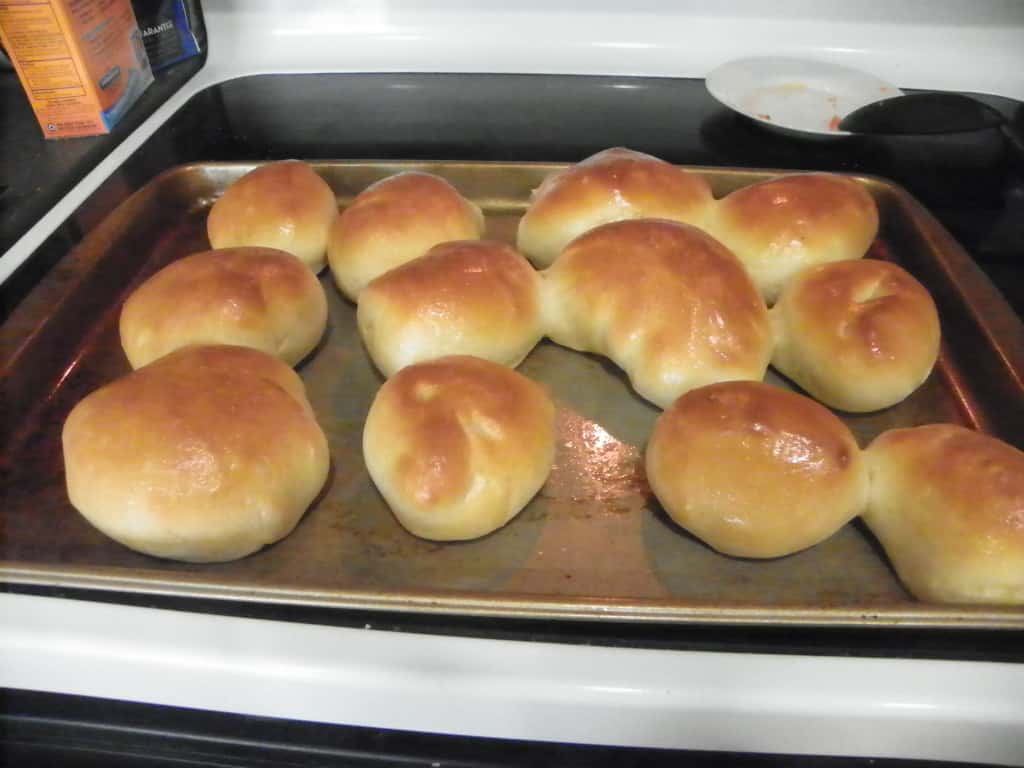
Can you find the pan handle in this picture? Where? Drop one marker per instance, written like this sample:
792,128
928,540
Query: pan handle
1013,133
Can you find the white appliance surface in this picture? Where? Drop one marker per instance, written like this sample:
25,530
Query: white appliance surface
784,704
697,700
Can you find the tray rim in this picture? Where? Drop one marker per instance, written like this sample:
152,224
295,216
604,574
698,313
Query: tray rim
521,606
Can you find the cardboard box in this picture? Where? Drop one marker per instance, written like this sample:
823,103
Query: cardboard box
81,62
169,30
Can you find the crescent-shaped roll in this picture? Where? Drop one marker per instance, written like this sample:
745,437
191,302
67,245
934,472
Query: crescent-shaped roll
781,226
206,455
857,335
467,297
664,301
754,470
612,185
252,297
394,221
947,505
283,205
458,446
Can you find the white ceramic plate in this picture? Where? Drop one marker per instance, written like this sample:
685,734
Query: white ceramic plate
794,95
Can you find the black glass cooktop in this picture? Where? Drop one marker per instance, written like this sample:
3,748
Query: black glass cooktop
966,179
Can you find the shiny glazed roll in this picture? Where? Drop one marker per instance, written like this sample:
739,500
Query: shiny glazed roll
458,446
394,221
468,297
664,301
857,335
781,226
283,205
252,297
755,471
612,185
206,455
947,505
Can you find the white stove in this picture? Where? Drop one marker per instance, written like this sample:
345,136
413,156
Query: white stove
738,702
788,703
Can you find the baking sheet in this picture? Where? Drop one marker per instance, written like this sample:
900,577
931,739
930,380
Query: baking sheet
593,544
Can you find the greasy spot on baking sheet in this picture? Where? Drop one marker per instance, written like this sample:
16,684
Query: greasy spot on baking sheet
592,465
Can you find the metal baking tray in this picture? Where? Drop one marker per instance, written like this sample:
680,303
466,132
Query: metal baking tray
593,544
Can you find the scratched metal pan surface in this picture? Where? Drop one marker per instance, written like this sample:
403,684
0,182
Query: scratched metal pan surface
593,544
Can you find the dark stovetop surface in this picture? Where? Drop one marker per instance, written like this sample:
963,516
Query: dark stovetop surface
965,179
37,172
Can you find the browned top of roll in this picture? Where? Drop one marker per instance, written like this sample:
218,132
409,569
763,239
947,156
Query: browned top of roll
858,335
255,275
405,202
967,485
267,190
672,276
207,454
282,205
804,207
659,297
193,397
866,313
633,178
762,418
259,297
396,220
611,185
483,280
470,297
755,470
432,413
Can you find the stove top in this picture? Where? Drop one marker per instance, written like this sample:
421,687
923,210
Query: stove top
967,182
964,179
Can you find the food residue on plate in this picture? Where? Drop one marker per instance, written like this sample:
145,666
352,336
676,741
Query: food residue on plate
833,124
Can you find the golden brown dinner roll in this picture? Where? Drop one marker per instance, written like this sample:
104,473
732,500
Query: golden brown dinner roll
780,226
282,205
206,455
947,505
857,335
755,471
467,297
665,301
612,185
253,297
458,446
394,221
